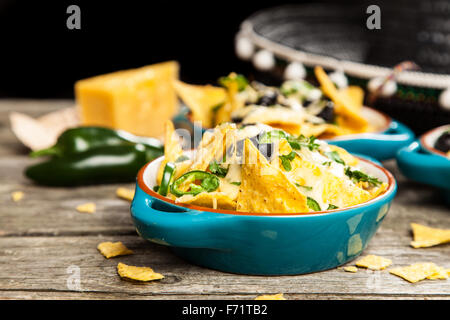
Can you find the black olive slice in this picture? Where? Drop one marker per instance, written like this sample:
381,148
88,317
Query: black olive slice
443,142
327,113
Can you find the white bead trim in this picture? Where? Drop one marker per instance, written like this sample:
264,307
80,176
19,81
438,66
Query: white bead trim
360,70
264,60
295,71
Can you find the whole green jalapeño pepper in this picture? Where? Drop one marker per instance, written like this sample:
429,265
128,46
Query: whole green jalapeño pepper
108,164
194,182
93,155
81,139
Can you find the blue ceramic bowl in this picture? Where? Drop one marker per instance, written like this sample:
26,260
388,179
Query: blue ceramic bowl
382,145
254,243
421,162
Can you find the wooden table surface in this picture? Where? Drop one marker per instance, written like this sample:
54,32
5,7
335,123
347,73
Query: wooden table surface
44,242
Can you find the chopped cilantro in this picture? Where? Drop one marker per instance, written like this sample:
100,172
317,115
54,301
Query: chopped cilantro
358,176
334,155
332,206
216,169
272,136
209,183
312,204
239,79
286,160
327,163
236,183
295,142
288,91
304,187
302,141
217,107
182,158
292,87
195,189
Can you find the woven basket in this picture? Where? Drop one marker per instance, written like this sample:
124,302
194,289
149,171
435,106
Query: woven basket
336,38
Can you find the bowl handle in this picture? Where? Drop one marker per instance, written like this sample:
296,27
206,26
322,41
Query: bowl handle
381,146
164,223
424,167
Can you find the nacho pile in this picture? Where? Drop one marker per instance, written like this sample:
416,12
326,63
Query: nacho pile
262,169
297,107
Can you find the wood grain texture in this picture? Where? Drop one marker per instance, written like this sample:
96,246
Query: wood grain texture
43,234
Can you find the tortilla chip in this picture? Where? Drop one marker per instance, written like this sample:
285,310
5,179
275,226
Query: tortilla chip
41,133
275,116
172,148
332,130
113,249
416,272
215,200
344,106
309,129
442,274
293,129
16,196
231,188
223,114
375,192
137,273
427,237
201,100
264,188
213,146
347,126
305,128
88,207
334,190
373,262
278,296
354,94
352,269
124,193
233,101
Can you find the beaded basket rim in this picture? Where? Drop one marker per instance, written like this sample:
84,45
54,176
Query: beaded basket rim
355,69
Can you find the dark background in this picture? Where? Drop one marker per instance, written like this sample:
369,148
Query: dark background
41,58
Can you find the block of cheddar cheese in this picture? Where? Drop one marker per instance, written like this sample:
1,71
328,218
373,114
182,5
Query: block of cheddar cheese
136,100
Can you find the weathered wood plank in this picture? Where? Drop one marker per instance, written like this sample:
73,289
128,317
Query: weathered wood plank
43,234
40,263
51,211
